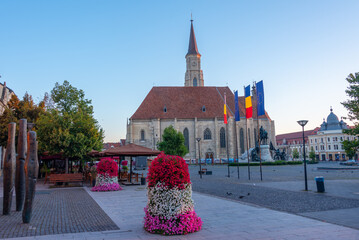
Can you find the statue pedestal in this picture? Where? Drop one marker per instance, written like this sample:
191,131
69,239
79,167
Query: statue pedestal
265,154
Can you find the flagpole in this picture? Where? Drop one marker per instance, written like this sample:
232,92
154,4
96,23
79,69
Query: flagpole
249,172
227,147
235,132
258,137
226,123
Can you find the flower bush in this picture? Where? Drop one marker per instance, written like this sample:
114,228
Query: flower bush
170,208
108,166
170,170
106,179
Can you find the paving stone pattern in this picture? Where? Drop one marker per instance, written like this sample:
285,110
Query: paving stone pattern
57,211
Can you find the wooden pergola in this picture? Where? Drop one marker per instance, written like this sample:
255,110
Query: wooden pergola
128,150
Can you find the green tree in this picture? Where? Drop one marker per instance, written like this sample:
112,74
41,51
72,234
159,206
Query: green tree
352,105
17,109
295,153
312,154
173,142
68,127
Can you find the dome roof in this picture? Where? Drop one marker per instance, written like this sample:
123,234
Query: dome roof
332,118
332,123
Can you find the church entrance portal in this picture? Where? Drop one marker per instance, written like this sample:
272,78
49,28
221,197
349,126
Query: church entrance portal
209,155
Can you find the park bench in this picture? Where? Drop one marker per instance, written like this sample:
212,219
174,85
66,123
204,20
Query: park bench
67,178
205,172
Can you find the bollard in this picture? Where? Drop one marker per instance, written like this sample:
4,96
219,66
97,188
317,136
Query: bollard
320,184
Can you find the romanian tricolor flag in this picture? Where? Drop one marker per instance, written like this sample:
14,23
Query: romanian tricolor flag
225,109
248,100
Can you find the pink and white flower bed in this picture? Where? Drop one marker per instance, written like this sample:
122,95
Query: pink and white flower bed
106,179
170,209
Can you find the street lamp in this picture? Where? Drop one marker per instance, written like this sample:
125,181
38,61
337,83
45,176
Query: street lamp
199,157
303,123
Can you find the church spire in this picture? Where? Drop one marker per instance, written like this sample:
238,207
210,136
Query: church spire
192,47
194,74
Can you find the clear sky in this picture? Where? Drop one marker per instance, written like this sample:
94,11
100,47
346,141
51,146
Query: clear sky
116,51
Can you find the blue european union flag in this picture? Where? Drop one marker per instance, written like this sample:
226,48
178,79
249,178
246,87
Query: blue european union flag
237,117
260,98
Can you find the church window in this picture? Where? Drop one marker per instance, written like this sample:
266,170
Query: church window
207,135
186,138
241,140
222,138
249,138
203,108
194,82
165,109
142,135
255,135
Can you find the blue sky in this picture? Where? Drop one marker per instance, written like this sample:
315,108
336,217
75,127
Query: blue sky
116,51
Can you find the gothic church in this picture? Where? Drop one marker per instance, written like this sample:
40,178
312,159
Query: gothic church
196,111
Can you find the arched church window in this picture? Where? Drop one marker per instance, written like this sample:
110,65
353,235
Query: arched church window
195,82
222,138
186,138
142,135
241,140
207,134
255,136
249,138
203,108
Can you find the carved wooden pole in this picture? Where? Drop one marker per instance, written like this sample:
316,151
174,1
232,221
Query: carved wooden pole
20,164
31,171
9,169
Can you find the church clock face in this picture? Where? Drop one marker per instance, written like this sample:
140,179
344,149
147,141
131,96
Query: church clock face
194,64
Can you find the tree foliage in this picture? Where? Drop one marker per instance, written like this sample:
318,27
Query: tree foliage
295,153
312,154
68,126
18,109
173,142
352,105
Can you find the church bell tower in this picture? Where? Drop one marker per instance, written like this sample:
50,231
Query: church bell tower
194,74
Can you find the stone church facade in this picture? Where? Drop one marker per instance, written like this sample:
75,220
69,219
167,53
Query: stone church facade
196,111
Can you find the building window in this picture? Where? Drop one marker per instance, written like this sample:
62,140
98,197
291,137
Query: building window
342,147
207,134
322,147
255,136
311,140
316,148
241,140
203,108
328,139
165,109
341,138
329,148
142,135
315,140
335,147
186,138
194,82
343,156
335,139
222,137
249,138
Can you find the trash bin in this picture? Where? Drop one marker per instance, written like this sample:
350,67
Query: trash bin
320,184
143,181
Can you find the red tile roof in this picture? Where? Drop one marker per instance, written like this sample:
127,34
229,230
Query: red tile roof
295,136
187,102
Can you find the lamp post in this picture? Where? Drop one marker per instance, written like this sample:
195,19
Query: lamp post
199,157
303,123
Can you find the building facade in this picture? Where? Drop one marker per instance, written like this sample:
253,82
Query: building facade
196,111
327,143
290,141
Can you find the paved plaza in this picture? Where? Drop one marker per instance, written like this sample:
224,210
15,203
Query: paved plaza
235,215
